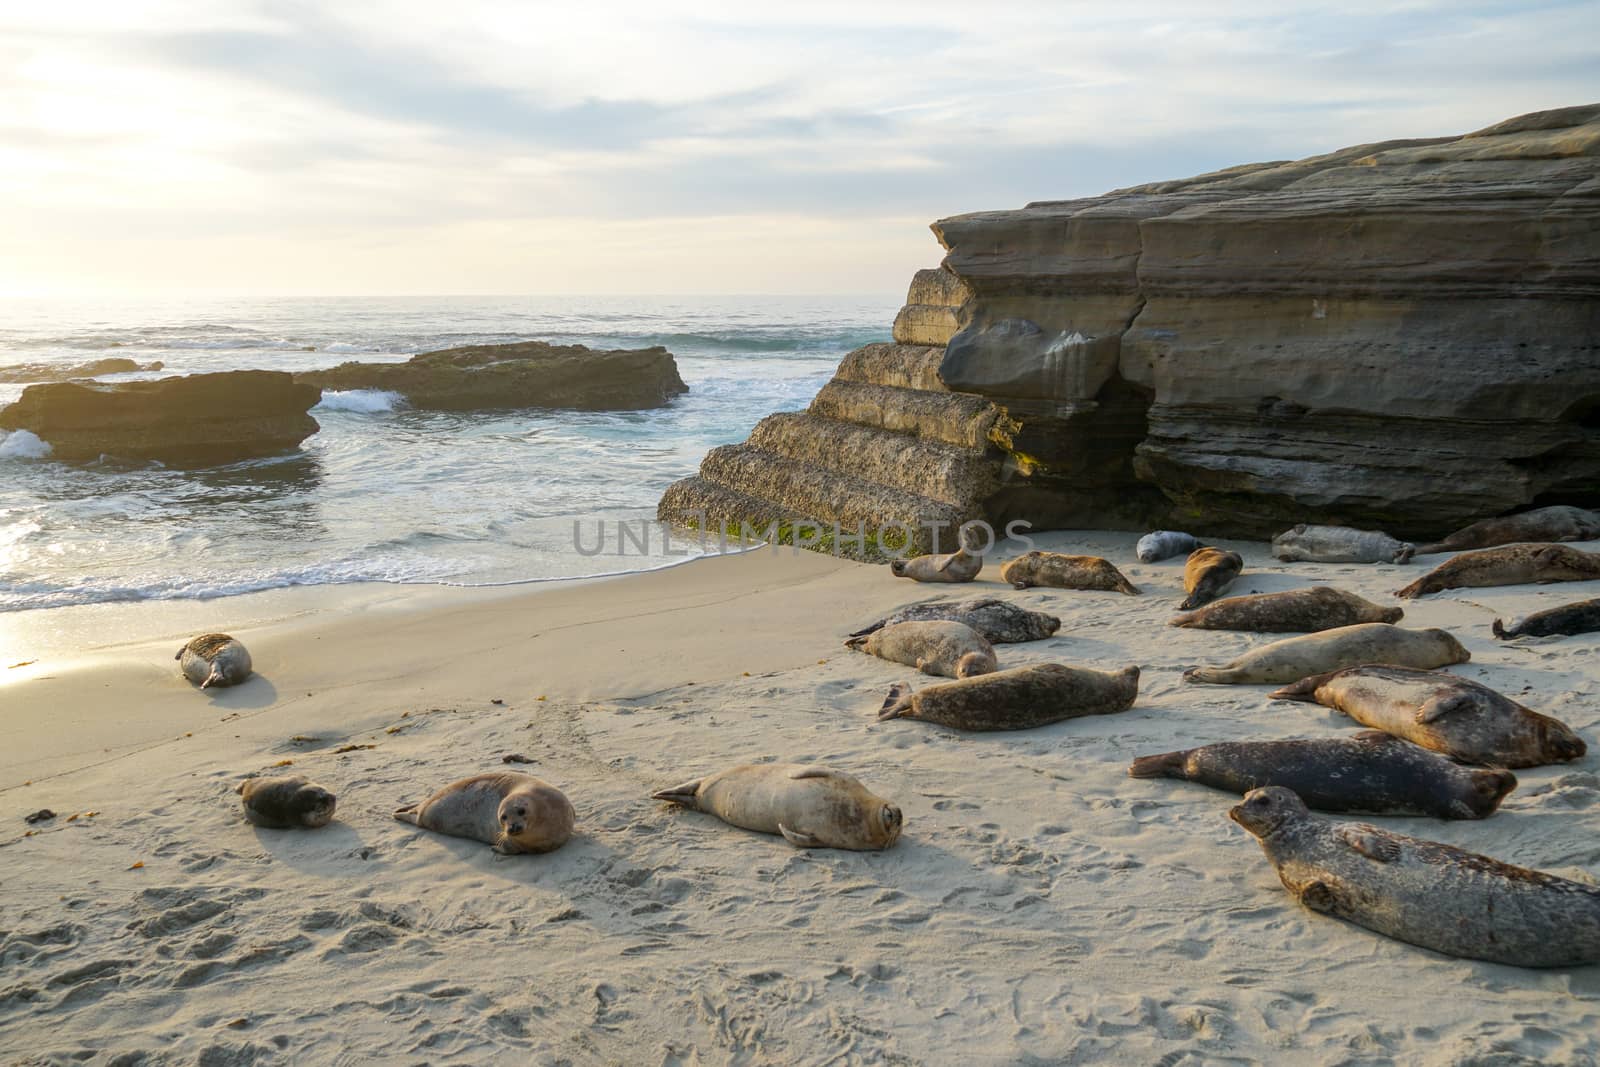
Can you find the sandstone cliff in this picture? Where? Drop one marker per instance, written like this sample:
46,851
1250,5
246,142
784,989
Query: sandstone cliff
1402,335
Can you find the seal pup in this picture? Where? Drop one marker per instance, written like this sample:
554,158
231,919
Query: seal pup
1565,621
1340,544
1294,658
1507,565
214,659
1370,772
1164,544
952,649
1292,611
812,807
1444,712
1422,892
1058,571
515,813
999,621
1206,573
962,565
1558,523
1018,699
282,803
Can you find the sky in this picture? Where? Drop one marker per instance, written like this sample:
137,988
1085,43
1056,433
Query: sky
481,146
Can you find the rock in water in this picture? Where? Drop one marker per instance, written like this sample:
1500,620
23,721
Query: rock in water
528,374
50,372
194,421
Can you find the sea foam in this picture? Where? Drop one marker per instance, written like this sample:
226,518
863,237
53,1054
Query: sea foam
21,444
362,401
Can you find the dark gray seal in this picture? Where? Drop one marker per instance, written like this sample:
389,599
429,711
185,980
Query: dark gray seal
1164,544
1568,620
1558,523
1018,699
1291,611
1368,772
1206,573
1507,565
1340,544
282,803
1421,892
999,621
214,660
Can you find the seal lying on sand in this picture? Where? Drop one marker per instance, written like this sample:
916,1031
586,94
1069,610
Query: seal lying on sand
1164,544
952,649
1559,523
1443,712
1057,571
1422,892
1206,573
281,803
1367,772
999,621
1018,699
1292,611
1340,544
1507,565
812,807
214,659
1294,658
961,565
1566,621
515,813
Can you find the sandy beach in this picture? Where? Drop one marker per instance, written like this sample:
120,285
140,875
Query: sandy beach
1041,906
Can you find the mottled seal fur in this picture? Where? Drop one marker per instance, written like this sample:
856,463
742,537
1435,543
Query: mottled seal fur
999,621
812,807
1443,712
281,803
1018,699
952,649
515,813
1507,565
1292,611
1058,571
1565,621
1206,573
1164,544
1436,896
1340,544
1369,772
214,660
1558,523
1294,658
961,565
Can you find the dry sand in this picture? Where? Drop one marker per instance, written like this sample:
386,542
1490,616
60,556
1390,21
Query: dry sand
1041,907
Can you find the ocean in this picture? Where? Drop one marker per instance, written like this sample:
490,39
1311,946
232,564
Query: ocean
383,493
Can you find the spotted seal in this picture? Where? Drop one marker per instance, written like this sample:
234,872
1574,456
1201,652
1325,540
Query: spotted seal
1340,544
1058,571
1292,611
812,807
952,649
1294,658
214,660
1017,699
1206,573
1558,523
282,803
999,621
516,813
1565,621
1507,565
1164,544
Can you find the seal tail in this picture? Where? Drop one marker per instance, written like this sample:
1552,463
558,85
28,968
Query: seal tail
874,628
1414,590
856,641
1500,631
1404,554
1166,765
897,703
408,814
1214,675
1188,618
1305,689
1125,586
680,794
216,677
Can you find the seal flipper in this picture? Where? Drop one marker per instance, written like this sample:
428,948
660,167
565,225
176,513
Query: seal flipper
1305,689
949,561
1166,765
1437,708
814,772
1500,630
856,641
1318,896
216,677
874,628
799,838
897,703
1370,841
684,794
406,814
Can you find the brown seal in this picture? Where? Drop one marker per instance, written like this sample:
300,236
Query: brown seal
1507,565
1370,772
1292,611
1443,712
515,813
1565,621
1436,896
933,647
281,803
1058,571
1294,658
1018,699
1206,573
1558,523
961,565
812,807
214,660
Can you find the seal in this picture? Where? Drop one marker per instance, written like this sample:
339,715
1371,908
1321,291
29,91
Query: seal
1558,523
1507,565
1294,658
1000,622
516,813
1421,892
1443,712
1565,621
1340,544
214,659
282,803
1164,544
962,565
1058,571
1292,611
1206,573
952,649
1370,772
812,807
1018,699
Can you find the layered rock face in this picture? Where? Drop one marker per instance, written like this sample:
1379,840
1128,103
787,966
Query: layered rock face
49,372
199,420
1403,336
526,374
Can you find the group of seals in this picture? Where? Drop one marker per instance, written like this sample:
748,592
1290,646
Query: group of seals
1018,699
214,660
952,649
1507,565
1292,611
1295,658
812,807
1058,571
